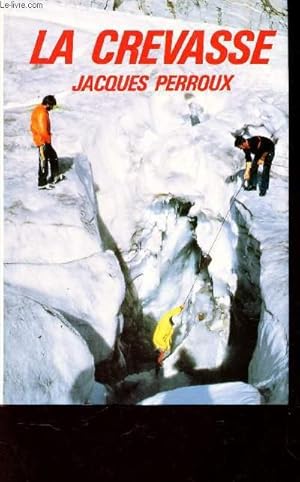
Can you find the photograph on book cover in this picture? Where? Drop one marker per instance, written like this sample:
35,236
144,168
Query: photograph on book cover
145,202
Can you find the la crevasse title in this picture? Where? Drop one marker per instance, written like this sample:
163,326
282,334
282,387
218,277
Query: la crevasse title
164,47
112,46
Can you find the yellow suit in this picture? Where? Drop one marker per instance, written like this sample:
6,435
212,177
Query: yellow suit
164,330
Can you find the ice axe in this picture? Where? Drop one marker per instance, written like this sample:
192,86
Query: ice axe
205,261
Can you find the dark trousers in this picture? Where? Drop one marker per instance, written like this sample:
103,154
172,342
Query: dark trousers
160,355
265,176
47,156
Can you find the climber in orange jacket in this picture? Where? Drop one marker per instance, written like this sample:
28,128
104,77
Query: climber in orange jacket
162,336
41,133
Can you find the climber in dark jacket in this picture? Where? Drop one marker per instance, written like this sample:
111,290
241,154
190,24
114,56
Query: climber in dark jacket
263,150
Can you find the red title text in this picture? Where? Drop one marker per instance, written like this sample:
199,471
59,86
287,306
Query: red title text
161,46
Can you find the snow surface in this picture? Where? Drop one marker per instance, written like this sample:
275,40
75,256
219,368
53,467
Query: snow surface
114,246
234,393
64,374
234,13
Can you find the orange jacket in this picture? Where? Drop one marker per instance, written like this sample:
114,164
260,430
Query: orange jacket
40,125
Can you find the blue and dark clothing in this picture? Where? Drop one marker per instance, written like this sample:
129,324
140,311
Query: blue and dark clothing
263,150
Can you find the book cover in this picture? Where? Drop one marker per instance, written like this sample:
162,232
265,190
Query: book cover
145,199
145,149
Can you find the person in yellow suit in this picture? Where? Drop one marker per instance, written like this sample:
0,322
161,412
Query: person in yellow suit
162,336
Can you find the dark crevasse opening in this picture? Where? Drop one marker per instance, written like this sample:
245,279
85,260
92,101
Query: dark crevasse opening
134,352
245,313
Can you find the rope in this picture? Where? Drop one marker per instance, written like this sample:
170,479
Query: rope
230,206
189,292
216,237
